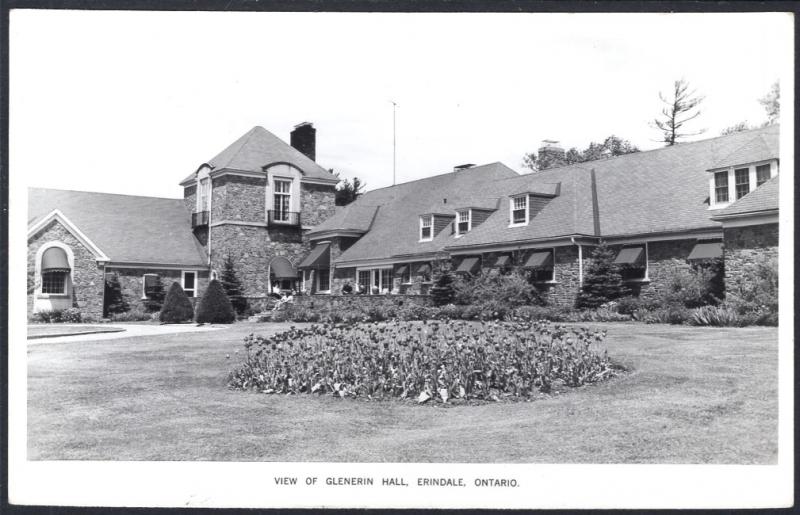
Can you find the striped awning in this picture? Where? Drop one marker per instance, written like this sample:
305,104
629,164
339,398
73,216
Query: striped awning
706,250
503,260
55,259
469,265
320,257
540,260
282,268
630,256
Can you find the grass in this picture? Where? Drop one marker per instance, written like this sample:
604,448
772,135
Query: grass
693,395
44,331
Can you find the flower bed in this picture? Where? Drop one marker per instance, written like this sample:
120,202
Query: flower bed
441,361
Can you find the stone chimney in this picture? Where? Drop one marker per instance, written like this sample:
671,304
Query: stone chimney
552,151
304,139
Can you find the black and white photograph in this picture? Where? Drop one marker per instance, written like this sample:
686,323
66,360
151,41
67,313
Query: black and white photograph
401,260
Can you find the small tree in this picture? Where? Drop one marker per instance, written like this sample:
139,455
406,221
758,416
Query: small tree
346,191
114,299
155,296
772,103
442,291
177,306
232,286
679,108
602,281
215,307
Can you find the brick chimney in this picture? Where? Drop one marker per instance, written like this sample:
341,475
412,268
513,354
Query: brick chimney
304,139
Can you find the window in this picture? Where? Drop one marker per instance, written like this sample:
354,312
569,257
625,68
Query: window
519,210
464,222
363,281
203,193
742,176
632,263
149,285
387,280
323,280
283,196
189,283
405,274
426,228
376,280
54,282
721,187
762,174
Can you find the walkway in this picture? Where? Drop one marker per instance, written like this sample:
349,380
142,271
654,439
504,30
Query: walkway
128,331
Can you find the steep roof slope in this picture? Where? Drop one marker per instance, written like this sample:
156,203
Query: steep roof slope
127,228
395,228
258,148
764,198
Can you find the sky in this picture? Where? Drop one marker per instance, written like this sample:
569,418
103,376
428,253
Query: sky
132,102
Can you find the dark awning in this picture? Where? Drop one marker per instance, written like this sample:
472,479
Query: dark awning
503,260
55,259
320,257
282,268
469,265
424,268
402,270
540,260
708,250
630,256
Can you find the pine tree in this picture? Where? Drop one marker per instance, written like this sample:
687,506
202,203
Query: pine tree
442,291
114,299
602,281
177,306
232,286
680,108
215,307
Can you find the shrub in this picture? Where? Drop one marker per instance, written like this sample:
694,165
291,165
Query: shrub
137,314
670,314
443,291
232,286
497,291
434,360
757,297
602,281
114,300
720,316
691,288
177,306
56,316
155,297
215,307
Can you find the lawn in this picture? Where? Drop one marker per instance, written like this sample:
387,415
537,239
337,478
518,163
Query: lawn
693,395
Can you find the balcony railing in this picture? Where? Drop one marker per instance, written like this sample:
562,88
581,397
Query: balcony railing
279,218
199,219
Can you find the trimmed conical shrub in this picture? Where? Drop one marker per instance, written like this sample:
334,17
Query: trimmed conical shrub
215,307
177,306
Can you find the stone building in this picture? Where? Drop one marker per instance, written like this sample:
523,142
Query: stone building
269,207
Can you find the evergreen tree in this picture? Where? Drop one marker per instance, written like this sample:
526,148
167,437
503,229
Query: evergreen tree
602,281
679,108
155,296
215,307
114,299
177,306
232,286
443,291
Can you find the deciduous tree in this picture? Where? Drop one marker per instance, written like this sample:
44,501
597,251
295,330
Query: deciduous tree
680,107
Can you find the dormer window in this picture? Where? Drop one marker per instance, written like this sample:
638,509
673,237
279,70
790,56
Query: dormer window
763,174
519,210
282,200
426,228
731,184
721,187
742,176
203,195
464,224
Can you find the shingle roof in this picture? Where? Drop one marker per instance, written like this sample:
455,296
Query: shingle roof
756,149
258,148
656,191
763,198
352,217
127,228
395,229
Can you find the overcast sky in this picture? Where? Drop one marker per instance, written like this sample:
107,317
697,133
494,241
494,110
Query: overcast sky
133,102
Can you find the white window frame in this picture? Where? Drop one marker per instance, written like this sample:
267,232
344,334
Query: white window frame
731,171
511,209
144,285
422,220
378,273
552,279
289,183
459,221
318,277
183,283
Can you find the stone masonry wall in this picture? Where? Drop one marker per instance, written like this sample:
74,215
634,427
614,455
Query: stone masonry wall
743,247
190,198
317,203
235,198
130,280
87,277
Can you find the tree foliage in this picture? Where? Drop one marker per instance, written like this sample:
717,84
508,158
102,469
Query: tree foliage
611,146
232,286
737,127
155,296
215,307
602,281
680,107
772,103
443,290
347,191
177,306
114,299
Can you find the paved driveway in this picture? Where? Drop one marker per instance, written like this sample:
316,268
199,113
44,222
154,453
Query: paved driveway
130,331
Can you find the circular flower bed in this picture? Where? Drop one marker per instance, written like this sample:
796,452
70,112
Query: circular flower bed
427,361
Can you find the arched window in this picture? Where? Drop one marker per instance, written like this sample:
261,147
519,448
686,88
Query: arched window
55,271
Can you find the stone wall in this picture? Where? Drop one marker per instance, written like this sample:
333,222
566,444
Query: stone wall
236,198
190,198
664,260
743,247
317,203
131,279
86,292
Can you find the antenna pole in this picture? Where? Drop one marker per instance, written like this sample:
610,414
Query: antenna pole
394,143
